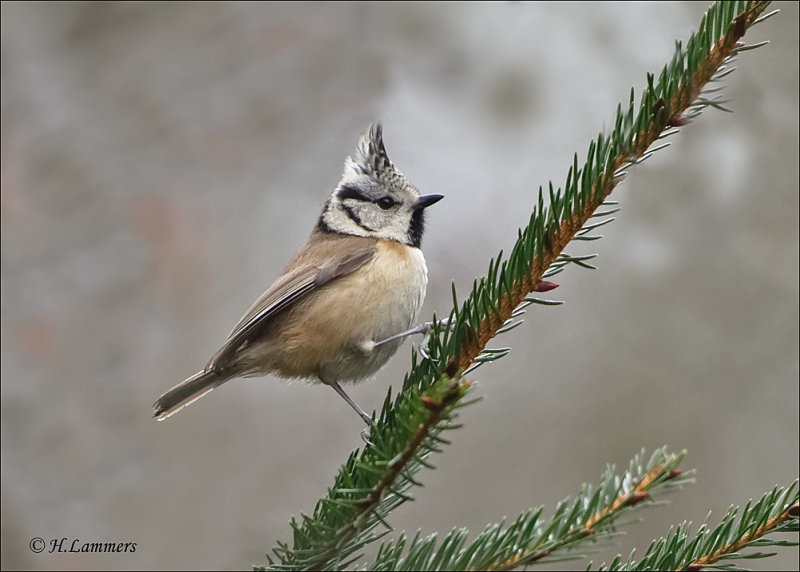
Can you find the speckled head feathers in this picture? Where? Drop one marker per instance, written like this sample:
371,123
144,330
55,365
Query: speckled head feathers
373,198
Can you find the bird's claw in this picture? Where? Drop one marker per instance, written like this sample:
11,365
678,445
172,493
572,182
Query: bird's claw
426,338
365,436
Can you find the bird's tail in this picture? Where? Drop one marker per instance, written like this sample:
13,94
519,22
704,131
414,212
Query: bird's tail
186,392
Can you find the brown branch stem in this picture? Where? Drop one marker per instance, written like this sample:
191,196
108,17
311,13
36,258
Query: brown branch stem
762,530
626,499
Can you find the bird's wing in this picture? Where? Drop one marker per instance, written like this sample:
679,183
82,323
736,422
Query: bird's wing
292,286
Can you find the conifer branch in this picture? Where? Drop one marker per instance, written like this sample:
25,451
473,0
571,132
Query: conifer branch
601,520
776,512
667,104
368,487
774,524
530,539
376,480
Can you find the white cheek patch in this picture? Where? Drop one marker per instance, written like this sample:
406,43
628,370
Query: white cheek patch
361,218
337,220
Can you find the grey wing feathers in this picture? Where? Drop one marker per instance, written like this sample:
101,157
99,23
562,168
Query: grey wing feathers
283,292
289,288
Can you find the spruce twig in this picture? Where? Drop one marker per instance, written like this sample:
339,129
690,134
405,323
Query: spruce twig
530,539
663,105
758,524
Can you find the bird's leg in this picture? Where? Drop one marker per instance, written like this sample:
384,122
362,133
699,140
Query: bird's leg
367,419
423,328
335,385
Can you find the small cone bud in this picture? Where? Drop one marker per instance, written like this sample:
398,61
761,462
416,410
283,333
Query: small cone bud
678,121
545,286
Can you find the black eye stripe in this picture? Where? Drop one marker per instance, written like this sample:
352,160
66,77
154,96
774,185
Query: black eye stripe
348,192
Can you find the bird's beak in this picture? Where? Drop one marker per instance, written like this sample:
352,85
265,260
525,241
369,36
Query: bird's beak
428,200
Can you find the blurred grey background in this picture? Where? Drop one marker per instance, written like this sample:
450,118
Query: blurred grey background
161,163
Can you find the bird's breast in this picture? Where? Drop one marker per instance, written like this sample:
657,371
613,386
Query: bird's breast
326,332
380,299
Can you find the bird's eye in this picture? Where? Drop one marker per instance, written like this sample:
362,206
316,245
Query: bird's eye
386,203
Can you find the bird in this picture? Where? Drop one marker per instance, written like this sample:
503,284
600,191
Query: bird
344,303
